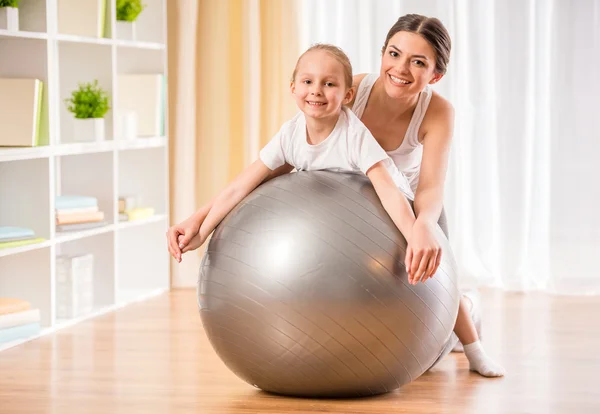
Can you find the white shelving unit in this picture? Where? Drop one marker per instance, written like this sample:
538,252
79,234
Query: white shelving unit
130,258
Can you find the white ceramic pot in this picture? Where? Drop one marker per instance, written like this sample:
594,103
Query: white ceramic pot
9,18
126,30
88,130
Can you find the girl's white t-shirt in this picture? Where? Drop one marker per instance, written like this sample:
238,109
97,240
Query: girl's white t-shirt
349,148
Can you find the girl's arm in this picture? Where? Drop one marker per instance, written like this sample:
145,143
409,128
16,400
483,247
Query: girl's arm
401,213
184,237
230,197
392,199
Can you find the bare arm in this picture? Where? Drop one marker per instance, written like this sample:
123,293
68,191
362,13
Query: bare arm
201,214
436,148
392,199
235,192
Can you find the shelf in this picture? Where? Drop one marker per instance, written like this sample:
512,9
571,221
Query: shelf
140,45
86,40
131,262
23,34
155,218
29,153
22,249
84,148
141,143
63,237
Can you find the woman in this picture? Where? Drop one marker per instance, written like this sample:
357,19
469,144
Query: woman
414,125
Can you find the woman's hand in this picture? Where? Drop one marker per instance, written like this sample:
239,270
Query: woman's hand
180,235
424,252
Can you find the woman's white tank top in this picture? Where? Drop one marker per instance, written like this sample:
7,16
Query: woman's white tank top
407,156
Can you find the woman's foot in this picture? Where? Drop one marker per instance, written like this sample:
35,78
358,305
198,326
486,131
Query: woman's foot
480,362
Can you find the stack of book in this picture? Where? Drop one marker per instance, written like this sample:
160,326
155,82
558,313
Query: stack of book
75,213
130,211
17,320
17,236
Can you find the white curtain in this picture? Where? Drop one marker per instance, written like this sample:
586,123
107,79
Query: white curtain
523,186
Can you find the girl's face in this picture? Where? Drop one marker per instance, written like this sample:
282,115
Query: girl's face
407,65
319,87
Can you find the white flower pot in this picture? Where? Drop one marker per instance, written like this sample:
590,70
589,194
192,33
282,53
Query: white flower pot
88,130
126,30
127,125
9,18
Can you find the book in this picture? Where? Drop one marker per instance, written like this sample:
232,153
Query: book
77,210
143,94
13,305
82,17
19,318
63,228
139,213
72,218
8,233
20,111
64,202
19,332
19,243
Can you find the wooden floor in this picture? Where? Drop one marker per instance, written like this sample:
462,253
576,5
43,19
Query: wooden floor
153,357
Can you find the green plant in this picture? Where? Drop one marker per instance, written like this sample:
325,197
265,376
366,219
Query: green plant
129,10
9,3
88,101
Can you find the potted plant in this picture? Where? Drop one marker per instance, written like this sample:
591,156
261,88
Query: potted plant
127,13
9,15
89,104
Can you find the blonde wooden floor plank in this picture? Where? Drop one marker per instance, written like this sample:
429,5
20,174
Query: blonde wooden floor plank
154,357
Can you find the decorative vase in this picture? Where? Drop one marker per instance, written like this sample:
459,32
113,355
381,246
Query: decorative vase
126,30
127,126
9,18
88,130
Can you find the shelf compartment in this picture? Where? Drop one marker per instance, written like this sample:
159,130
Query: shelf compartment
101,249
142,176
149,24
29,278
28,60
24,189
32,16
83,63
79,177
142,260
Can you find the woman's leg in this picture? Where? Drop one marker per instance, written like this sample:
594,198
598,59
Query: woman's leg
466,330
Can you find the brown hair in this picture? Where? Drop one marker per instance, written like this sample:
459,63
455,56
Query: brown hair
337,53
432,30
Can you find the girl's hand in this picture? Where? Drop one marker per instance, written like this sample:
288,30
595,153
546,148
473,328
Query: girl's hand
424,253
179,236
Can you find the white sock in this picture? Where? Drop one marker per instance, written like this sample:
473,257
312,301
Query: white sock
480,362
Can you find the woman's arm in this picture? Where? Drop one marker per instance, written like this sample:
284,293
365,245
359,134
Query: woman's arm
421,263
429,195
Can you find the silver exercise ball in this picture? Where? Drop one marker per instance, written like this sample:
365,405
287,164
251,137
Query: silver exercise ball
303,291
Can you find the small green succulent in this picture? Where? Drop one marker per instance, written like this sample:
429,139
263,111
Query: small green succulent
88,101
129,10
9,3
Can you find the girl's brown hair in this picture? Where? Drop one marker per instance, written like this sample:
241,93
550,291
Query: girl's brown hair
337,53
432,30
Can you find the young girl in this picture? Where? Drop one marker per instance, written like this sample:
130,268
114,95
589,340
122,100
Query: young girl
325,135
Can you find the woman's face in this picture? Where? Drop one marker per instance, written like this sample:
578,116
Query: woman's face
407,65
